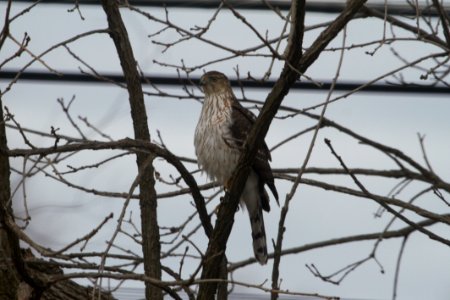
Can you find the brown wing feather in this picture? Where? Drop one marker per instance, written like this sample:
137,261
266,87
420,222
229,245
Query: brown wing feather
243,120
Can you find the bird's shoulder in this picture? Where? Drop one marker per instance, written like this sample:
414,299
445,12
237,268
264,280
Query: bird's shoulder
242,122
241,114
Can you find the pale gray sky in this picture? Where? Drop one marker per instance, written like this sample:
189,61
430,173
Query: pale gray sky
60,215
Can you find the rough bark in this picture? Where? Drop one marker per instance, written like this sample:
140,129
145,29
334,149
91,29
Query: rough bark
9,278
147,196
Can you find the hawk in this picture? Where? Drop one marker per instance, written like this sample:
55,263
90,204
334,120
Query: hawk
219,138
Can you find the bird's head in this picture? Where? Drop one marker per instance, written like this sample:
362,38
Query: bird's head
214,82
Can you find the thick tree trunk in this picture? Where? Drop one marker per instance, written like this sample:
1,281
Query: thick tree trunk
9,279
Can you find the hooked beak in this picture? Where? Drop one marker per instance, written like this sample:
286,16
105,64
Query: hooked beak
202,81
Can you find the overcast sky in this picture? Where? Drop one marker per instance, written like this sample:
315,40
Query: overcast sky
60,215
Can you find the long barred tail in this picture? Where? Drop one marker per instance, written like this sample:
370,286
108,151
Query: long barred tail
258,234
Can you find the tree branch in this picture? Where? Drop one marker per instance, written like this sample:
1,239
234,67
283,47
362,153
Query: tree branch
369,195
445,20
294,46
151,246
136,145
402,232
7,234
289,75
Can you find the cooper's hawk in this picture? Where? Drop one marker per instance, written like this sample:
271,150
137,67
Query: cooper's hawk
220,134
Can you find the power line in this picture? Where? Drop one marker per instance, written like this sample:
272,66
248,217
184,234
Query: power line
175,81
311,6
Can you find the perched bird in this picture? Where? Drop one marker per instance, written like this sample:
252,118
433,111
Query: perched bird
219,137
